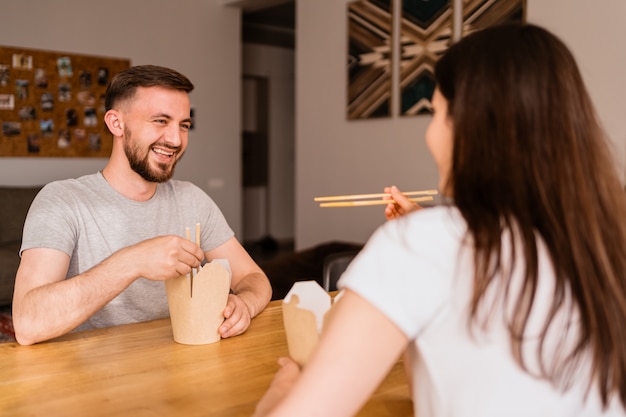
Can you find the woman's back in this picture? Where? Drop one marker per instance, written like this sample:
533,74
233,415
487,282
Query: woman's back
419,272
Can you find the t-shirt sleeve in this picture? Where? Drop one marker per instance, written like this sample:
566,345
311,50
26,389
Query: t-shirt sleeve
402,271
215,229
49,223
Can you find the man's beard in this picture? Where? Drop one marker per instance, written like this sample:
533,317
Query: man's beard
141,165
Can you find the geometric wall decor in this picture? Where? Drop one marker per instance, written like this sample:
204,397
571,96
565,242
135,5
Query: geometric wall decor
52,103
370,27
425,34
427,28
479,14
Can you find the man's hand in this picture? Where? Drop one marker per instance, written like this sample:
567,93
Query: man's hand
237,317
284,379
162,257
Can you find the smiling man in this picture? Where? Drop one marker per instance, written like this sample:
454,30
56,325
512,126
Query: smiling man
96,249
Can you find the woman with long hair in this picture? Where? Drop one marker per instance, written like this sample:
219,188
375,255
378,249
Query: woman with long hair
510,298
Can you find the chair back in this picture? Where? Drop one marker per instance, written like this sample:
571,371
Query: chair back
334,265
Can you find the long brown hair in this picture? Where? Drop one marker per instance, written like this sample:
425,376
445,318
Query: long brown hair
530,157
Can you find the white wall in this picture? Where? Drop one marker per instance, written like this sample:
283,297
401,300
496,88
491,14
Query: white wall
595,35
337,156
199,38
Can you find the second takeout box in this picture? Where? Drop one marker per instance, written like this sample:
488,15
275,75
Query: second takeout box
304,310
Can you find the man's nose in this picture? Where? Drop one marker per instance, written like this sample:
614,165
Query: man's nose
174,136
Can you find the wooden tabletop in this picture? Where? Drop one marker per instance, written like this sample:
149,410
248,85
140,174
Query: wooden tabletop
138,370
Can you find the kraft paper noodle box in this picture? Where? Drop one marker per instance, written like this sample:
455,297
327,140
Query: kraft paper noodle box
304,309
197,310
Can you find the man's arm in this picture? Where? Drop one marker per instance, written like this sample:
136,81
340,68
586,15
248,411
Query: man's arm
250,286
46,305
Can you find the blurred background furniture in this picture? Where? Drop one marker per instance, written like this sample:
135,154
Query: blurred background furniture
14,204
284,269
334,265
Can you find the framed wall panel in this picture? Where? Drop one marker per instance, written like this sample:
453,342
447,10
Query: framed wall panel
425,34
426,29
479,14
370,27
52,103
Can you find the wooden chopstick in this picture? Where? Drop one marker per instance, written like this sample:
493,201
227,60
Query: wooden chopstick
193,270
377,195
368,202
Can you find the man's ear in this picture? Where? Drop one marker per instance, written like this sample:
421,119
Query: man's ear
113,120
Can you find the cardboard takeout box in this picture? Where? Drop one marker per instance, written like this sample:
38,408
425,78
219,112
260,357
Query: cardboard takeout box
304,310
197,305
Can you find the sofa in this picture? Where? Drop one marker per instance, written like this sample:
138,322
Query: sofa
14,204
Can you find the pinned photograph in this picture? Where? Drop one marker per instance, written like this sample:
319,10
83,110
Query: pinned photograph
84,80
65,92
4,75
41,78
101,104
80,135
27,113
94,141
22,61
47,102
63,141
91,118
33,143
103,76
71,117
86,98
7,101
21,89
11,128
47,127
64,66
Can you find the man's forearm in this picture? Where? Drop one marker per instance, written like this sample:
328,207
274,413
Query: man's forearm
255,291
56,308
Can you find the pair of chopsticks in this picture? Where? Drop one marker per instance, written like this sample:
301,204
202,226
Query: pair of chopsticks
370,199
194,271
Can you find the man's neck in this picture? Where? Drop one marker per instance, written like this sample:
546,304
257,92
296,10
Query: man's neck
128,183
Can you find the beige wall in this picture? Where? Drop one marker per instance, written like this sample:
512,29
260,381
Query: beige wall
200,38
336,156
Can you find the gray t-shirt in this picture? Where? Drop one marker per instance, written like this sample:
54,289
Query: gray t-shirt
89,220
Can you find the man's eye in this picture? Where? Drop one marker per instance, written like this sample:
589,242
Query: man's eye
185,126
161,121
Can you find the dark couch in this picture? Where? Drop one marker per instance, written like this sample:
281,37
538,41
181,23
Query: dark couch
14,204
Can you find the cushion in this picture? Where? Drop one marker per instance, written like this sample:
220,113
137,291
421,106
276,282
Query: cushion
9,261
14,204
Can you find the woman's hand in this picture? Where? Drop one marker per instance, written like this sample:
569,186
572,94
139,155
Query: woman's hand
284,379
401,206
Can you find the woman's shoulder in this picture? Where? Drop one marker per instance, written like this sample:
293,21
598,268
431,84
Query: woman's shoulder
438,220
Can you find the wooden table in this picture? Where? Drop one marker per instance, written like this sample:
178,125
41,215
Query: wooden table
138,370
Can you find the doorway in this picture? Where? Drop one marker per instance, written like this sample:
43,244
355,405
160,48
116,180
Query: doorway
268,127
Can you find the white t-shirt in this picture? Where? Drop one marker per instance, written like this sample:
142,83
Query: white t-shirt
418,270
89,220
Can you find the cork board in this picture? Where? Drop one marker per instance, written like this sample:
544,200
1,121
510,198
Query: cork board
52,103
